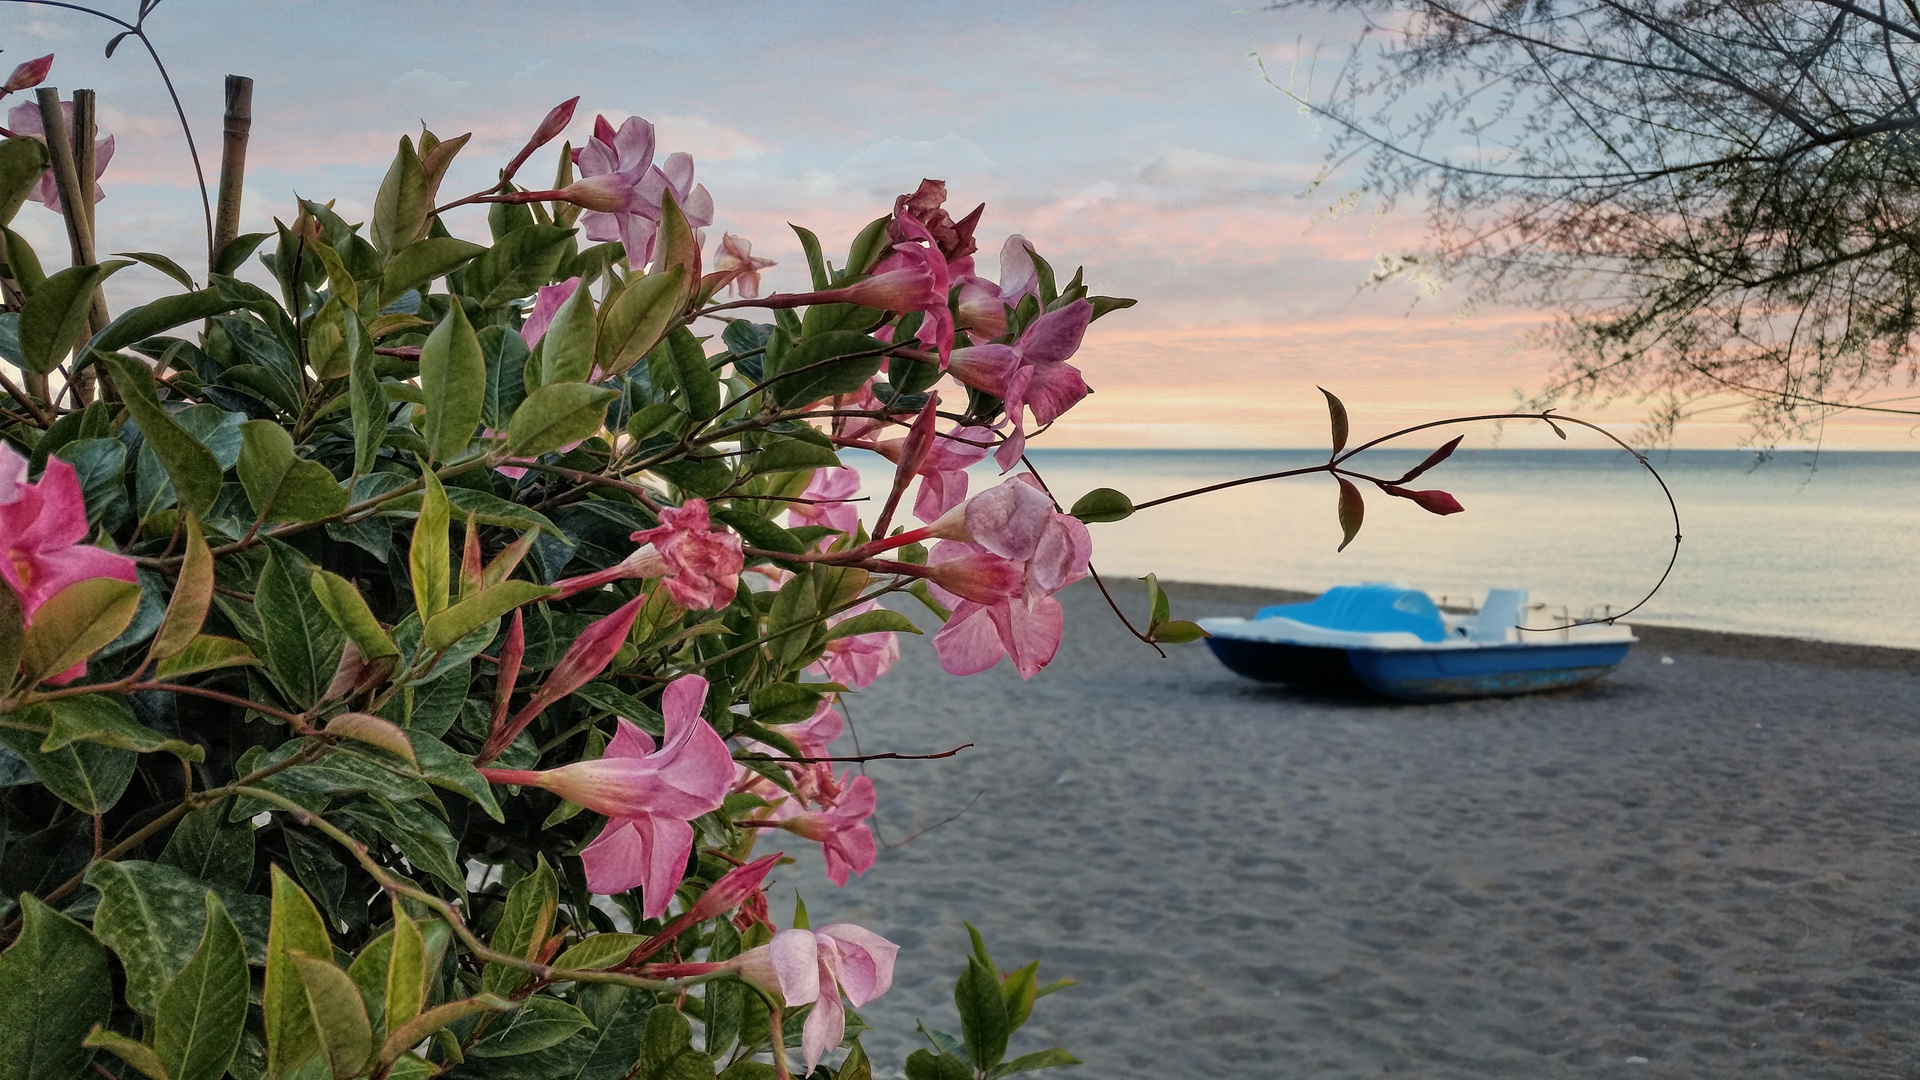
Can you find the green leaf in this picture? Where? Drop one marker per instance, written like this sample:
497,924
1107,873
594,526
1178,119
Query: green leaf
327,341
1353,511
207,846
56,314
1178,632
445,767
705,477
463,618
566,353
637,319
296,929
23,161
401,207
88,777
521,262
157,317
303,642
374,731
205,653
838,362
235,254
194,470
54,987
75,623
346,1037
666,1051
434,1019
368,401
161,263
1102,504
349,611
816,262
417,264
1040,1059
925,1065
872,622
152,916
283,487
203,1011
100,466
192,595
699,383
759,532
1158,609
554,416
599,951
406,987
783,703
429,557
132,1051
506,356
1337,412
983,1014
487,508
106,720
539,1023
453,378
524,927
12,632
791,455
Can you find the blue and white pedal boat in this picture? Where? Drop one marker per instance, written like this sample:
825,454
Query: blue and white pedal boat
1398,643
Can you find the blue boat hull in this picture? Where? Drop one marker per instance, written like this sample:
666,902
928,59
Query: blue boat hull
1424,674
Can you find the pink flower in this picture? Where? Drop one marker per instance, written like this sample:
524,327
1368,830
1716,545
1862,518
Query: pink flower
546,304
983,305
736,257
943,476
648,795
830,488
928,268
926,206
840,829
43,527
637,189
703,563
1032,373
858,660
802,966
25,120
587,657
29,74
1050,551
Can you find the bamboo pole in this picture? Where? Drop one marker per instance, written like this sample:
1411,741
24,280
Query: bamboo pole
75,202
237,126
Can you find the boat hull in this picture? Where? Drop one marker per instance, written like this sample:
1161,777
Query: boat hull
1424,674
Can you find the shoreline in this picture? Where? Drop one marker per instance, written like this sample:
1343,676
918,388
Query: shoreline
1671,639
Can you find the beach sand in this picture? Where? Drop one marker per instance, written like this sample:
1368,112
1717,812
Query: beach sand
1709,867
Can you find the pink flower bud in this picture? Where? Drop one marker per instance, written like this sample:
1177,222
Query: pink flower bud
1433,502
556,121
734,888
27,75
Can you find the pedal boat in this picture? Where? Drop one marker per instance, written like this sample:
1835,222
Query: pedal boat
1398,643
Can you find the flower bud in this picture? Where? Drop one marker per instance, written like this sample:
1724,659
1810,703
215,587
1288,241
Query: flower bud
1433,502
27,75
556,121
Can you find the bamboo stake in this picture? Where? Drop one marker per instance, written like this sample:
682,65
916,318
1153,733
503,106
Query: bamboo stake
73,205
238,126
84,129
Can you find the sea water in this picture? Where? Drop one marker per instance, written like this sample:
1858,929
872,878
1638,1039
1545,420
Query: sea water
1822,546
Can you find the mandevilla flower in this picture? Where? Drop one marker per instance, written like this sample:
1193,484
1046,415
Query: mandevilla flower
858,660
25,120
638,189
983,304
1032,373
703,563
927,206
817,966
649,795
736,258
829,491
43,528
28,75
840,829
546,304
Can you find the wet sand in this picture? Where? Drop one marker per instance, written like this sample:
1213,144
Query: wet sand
1703,868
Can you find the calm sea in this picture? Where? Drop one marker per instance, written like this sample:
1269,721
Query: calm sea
1823,547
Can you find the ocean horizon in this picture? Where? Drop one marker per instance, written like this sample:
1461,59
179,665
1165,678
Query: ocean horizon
1803,544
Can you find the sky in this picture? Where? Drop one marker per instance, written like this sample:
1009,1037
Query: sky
1128,136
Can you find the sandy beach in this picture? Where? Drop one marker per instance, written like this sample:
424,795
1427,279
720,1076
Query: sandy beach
1709,867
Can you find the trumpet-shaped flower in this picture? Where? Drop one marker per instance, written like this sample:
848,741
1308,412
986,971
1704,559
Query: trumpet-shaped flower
859,659
736,258
703,563
638,187
828,493
25,120
818,966
1032,373
927,206
43,527
983,304
840,829
649,795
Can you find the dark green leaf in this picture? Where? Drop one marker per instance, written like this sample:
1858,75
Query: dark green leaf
23,161
101,467
872,622
1353,510
1041,1059
791,455
506,357
281,486
401,207
524,927
666,1051
556,415
303,642
983,1014
453,378
566,353
634,322
368,401
699,384
838,362
207,846
105,720
161,263
56,314
54,987
521,262
194,470
536,1025
1102,504
204,1010
419,263
759,532
88,777
152,916
783,703
925,1065
1338,413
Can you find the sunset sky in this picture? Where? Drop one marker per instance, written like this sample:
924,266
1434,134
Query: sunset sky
1129,136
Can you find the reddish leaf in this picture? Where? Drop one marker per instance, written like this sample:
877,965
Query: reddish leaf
1339,415
1352,510
1433,502
1433,459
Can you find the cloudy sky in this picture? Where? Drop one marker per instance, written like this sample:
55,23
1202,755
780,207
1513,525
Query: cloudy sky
1130,136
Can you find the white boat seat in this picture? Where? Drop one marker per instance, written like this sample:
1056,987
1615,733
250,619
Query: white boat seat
1501,612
